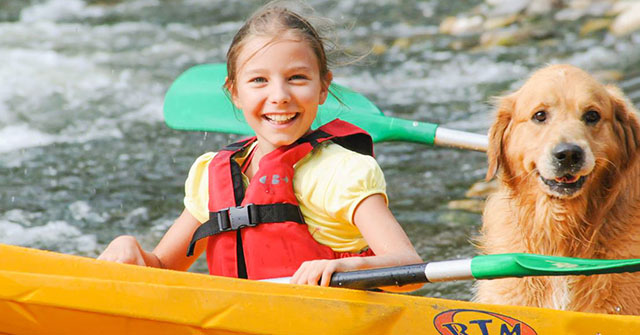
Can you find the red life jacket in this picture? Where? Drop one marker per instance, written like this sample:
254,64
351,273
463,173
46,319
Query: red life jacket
259,232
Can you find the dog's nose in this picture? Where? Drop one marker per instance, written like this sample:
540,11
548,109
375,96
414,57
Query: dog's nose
568,156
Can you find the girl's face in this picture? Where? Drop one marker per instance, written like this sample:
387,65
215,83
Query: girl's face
278,88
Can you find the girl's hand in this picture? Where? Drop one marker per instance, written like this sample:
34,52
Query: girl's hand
124,249
320,271
170,252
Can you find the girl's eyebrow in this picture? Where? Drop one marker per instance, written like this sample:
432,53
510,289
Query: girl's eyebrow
300,68
254,71
291,69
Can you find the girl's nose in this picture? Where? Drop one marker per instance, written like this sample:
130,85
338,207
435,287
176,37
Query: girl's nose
279,93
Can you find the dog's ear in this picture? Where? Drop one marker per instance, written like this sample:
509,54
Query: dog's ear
625,123
504,112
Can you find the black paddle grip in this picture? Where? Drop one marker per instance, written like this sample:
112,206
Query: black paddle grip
392,276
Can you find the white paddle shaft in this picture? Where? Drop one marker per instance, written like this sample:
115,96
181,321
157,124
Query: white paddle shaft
459,269
460,139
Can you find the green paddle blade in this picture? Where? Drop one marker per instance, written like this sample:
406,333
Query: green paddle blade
197,101
520,265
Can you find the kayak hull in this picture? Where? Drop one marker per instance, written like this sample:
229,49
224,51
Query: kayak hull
52,293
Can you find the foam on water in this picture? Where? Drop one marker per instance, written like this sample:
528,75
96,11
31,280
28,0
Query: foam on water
55,235
55,10
453,80
49,96
597,57
81,211
32,76
61,10
21,136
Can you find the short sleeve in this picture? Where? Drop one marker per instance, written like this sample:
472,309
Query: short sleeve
196,188
341,180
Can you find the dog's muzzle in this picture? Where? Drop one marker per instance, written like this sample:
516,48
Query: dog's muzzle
567,160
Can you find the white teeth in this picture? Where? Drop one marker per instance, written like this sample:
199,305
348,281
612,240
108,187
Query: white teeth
280,118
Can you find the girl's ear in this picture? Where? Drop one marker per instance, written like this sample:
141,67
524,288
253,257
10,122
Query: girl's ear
228,85
504,114
324,92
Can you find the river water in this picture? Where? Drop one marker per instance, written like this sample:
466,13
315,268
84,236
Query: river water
85,155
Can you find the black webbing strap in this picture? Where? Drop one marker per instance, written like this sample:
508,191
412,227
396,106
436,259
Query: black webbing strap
242,265
235,146
236,180
313,137
251,215
359,142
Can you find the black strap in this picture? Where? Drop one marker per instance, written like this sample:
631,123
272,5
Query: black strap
236,145
242,265
359,142
251,215
237,182
313,137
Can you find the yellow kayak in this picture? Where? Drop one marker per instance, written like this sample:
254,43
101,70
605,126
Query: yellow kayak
44,292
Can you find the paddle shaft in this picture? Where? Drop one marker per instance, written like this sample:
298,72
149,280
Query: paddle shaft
404,275
398,275
479,267
482,267
460,139
385,129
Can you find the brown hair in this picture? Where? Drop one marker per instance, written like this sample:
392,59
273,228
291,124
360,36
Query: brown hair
274,20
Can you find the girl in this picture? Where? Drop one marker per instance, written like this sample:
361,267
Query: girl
289,201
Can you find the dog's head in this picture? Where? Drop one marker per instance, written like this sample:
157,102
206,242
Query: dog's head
560,131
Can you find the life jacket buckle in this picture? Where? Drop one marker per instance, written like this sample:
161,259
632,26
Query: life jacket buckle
234,218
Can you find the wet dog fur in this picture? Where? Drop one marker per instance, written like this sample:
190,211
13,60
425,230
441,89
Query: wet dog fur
565,150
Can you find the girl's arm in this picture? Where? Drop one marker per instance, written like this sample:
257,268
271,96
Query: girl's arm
170,252
385,237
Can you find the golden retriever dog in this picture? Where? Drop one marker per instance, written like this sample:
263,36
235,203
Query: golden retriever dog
565,150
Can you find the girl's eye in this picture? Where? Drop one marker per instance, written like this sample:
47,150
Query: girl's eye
539,116
298,77
591,117
258,80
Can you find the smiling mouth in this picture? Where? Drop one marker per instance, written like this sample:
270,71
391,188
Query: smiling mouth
280,118
565,185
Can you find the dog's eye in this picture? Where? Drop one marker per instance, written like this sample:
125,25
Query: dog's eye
591,117
539,116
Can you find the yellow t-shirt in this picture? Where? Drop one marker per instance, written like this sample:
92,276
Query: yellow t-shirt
329,183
